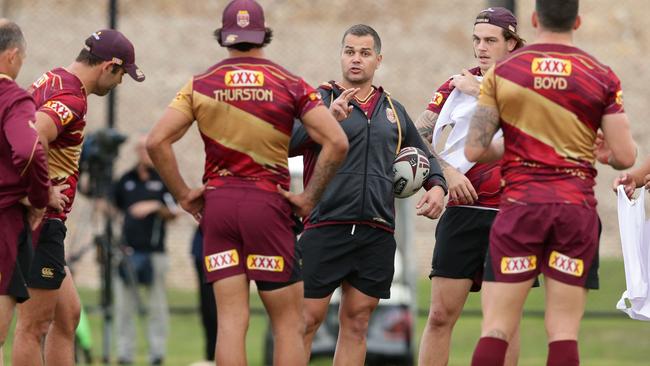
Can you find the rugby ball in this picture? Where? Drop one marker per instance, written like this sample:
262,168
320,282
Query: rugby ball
410,168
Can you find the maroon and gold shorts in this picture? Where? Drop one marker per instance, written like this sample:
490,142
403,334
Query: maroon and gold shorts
248,230
15,252
558,240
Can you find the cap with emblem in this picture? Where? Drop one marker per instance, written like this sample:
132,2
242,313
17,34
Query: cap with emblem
500,17
243,22
111,45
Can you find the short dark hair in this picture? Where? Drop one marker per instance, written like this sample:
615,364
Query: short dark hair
361,30
557,15
11,36
244,46
90,59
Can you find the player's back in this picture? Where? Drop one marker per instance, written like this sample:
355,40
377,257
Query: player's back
551,99
245,108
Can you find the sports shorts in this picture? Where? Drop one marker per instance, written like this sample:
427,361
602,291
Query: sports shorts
558,240
248,230
362,255
462,238
48,266
15,252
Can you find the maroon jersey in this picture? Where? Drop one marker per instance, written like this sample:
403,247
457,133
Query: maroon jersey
23,165
62,96
485,178
551,100
245,108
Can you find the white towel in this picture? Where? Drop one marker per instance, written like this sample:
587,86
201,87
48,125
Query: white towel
457,112
635,242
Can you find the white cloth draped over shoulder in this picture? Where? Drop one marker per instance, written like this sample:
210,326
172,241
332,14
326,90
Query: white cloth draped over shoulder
635,242
457,112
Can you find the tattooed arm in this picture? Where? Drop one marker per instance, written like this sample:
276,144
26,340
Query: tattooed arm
325,131
425,125
484,125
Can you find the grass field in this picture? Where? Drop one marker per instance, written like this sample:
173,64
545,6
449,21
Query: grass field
606,338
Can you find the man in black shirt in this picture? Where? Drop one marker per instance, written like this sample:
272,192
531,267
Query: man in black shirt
147,205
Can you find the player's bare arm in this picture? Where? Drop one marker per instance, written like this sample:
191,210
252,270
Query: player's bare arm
170,128
618,137
325,131
482,128
47,132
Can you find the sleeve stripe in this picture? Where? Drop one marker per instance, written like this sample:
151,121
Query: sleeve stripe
31,157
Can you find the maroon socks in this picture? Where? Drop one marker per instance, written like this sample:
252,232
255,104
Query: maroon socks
490,352
563,353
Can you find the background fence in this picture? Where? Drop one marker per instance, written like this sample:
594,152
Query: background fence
424,42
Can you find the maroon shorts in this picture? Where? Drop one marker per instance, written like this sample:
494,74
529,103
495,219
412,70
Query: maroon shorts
558,240
248,230
15,252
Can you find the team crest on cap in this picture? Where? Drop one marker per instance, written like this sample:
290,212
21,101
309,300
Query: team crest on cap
565,264
221,260
62,111
265,263
390,114
243,18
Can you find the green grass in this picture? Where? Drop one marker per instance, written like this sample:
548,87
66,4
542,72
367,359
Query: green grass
604,341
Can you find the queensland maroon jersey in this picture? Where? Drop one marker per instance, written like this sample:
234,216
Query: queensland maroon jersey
485,178
245,108
23,165
551,100
61,95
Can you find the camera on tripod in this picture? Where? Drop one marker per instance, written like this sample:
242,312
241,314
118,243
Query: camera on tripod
97,159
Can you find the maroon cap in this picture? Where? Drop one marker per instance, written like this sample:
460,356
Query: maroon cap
243,22
111,45
501,17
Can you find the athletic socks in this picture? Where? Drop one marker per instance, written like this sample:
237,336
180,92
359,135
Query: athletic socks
490,351
563,353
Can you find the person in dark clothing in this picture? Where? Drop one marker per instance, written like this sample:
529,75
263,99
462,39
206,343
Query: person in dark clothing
147,205
349,236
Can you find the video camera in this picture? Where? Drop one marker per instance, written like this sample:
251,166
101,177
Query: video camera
98,156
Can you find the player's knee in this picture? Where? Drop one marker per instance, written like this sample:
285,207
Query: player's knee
440,318
356,323
37,328
313,321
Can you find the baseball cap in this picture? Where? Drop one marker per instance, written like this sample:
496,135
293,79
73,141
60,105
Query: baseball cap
501,17
111,45
243,22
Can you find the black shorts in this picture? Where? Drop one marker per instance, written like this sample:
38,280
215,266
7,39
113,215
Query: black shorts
361,255
48,267
462,239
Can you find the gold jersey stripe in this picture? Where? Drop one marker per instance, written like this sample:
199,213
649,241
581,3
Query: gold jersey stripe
241,131
546,121
64,162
